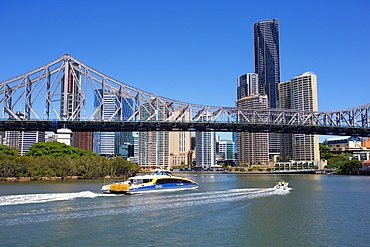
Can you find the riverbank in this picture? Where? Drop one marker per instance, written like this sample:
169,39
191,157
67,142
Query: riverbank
28,179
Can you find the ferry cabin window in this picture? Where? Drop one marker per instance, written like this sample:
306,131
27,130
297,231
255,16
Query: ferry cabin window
140,181
170,181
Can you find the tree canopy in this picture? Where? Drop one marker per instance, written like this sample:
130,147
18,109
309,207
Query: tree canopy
7,150
36,167
57,150
346,166
325,151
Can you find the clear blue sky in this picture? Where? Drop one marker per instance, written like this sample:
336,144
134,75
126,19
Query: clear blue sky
193,50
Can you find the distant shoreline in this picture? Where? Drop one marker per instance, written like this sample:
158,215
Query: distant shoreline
29,179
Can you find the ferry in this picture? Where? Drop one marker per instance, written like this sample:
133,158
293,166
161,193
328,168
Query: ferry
281,185
158,181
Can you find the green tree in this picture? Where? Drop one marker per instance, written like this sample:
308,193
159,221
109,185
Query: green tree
346,166
332,162
325,151
56,150
8,150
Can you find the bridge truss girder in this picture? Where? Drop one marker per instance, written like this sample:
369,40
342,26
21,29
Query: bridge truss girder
68,90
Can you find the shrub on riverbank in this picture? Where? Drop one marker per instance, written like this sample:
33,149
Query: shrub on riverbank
37,167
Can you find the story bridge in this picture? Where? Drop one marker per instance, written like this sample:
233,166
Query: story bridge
67,93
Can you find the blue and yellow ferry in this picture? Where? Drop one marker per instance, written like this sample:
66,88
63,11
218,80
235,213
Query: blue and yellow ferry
158,181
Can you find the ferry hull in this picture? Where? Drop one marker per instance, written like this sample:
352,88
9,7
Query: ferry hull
160,181
117,190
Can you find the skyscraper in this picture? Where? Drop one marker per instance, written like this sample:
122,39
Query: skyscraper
267,58
267,66
253,148
110,105
299,93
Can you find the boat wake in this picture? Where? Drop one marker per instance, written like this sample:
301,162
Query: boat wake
80,206
48,197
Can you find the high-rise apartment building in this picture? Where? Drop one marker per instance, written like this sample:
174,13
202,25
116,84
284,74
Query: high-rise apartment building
299,93
267,66
253,148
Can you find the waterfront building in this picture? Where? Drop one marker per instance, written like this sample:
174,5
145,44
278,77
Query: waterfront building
344,144
252,148
267,66
299,93
361,155
296,165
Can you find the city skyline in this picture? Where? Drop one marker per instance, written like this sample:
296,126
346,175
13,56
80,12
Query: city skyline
169,48
151,43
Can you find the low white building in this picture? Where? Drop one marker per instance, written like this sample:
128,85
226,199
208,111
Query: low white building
345,144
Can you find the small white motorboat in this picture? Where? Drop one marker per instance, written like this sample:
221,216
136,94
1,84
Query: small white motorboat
281,185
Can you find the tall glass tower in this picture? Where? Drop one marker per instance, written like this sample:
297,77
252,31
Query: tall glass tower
267,58
267,66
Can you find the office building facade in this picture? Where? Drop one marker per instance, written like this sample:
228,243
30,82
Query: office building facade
225,151
23,140
109,105
153,145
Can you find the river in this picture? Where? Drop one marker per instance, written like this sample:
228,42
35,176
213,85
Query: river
226,210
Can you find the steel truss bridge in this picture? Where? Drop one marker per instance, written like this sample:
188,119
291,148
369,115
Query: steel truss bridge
67,93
